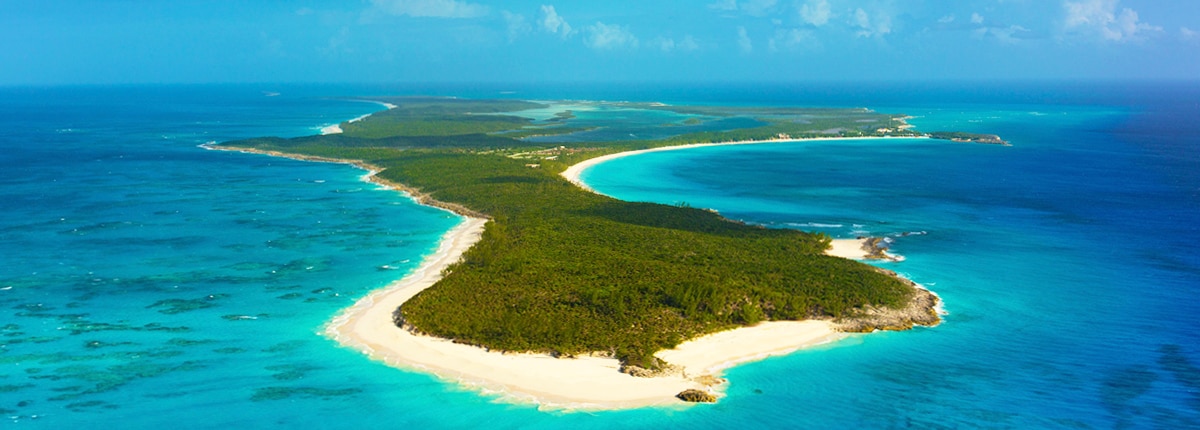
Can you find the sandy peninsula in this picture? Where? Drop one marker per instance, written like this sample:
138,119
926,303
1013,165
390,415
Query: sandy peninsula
584,383
576,383
337,128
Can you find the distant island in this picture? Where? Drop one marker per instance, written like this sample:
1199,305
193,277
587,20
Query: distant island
958,136
633,301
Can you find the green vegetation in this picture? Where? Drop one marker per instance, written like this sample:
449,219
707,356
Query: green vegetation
563,116
797,123
542,131
565,271
427,116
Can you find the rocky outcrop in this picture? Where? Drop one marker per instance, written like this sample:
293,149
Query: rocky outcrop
876,249
426,200
664,369
696,396
920,310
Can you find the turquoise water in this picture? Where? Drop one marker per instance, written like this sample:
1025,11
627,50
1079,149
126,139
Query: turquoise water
147,282
610,122
1067,263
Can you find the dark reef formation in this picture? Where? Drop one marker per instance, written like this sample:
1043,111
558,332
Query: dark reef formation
696,396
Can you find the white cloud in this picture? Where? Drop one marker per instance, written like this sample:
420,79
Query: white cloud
663,43
336,43
689,43
757,7
867,26
517,25
1090,12
976,18
431,8
749,7
1128,25
861,19
946,19
744,41
816,12
604,36
724,5
1187,33
304,11
666,44
790,39
1006,35
1101,17
553,23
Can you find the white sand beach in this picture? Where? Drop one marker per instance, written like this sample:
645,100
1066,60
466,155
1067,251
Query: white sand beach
337,128
575,383
710,354
573,173
847,248
569,383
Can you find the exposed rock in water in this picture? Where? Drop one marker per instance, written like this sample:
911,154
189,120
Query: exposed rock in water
876,249
920,310
696,396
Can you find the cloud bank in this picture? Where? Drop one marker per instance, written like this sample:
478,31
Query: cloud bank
431,8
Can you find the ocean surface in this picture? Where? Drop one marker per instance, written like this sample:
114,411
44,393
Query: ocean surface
146,282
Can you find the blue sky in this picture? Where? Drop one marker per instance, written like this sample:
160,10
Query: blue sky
189,41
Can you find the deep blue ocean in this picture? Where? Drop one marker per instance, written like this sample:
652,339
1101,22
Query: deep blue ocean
146,282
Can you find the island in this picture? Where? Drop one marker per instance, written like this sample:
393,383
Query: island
552,293
958,136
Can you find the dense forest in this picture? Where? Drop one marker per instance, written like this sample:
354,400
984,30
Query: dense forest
565,271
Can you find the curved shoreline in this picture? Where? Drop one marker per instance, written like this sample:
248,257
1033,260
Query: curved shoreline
337,128
573,173
584,383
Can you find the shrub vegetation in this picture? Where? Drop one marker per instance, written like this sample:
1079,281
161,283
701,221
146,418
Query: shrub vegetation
565,271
